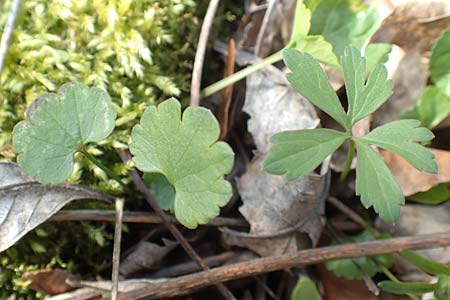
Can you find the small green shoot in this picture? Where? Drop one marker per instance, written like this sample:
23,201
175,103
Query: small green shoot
297,153
185,150
57,126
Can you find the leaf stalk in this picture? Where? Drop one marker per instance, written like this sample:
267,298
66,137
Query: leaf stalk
348,162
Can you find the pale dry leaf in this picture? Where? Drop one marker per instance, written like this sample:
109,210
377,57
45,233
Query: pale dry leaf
418,219
278,210
25,203
49,281
146,256
411,180
274,106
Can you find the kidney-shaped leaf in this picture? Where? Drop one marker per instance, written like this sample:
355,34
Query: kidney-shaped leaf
57,125
25,203
185,150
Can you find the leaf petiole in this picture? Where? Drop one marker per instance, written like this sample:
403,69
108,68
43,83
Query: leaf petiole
348,162
107,170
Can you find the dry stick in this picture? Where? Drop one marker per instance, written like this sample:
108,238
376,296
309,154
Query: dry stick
116,251
200,54
186,284
125,155
7,32
131,217
263,29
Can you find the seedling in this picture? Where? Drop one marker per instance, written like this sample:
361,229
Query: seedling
297,153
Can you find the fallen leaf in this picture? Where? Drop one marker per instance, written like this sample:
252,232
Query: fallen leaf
416,219
278,210
25,203
274,106
411,180
146,256
50,281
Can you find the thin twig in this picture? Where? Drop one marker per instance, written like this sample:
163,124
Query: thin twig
116,251
132,217
186,284
200,54
125,155
7,32
264,25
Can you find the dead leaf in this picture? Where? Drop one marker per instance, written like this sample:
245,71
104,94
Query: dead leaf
278,210
146,256
26,203
412,180
50,281
416,219
274,106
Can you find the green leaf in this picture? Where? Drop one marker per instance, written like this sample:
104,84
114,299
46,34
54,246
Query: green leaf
400,288
308,78
400,137
434,196
363,98
425,264
298,152
57,126
302,22
351,268
376,185
440,62
161,189
305,289
343,23
443,288
185,150
432,107
377,53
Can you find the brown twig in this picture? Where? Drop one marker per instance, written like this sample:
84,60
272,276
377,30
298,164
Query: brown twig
227,93
264,25
200,53
7,31
131,217
116,251
125,155
186,284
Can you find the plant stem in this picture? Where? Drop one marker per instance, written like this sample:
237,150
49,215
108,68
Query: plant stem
348,162
392,277
107,170
221,84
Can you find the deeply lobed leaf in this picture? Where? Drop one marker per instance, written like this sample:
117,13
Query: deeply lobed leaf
185,150
57,125
400,137
298,152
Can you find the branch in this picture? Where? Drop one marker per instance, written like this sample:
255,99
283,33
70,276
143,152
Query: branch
186,284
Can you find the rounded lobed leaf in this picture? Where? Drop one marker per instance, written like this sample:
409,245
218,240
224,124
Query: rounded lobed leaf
57,125
185,150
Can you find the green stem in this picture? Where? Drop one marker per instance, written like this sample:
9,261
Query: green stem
392,277
107,170
221,84
348,162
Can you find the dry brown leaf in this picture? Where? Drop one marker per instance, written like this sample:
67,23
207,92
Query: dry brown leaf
412,180
49,281
146,256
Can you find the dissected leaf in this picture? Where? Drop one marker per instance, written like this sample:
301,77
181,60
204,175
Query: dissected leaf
400,137
185,150
306,77
351,268
412,180
434,196
305,289
298,152
431,109
57,125
273,106
302,22
376,185
440,62
377,53
400,288
363,98
425,264
161,189
25,203
344,23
